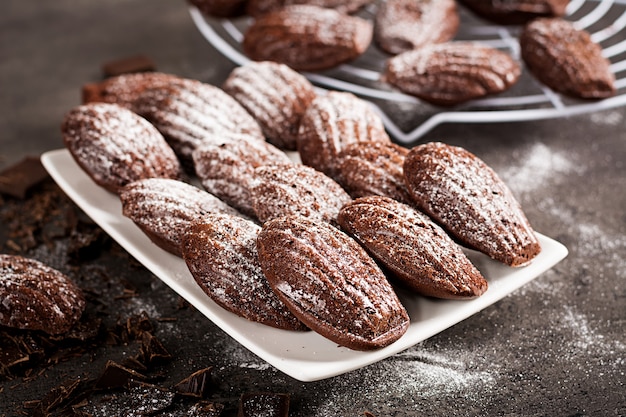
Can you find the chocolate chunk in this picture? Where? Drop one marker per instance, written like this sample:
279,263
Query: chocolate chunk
196,384
117,376
127,65
153,350
17,179
264,403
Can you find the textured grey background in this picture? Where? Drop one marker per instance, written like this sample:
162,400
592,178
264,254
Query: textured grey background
555,347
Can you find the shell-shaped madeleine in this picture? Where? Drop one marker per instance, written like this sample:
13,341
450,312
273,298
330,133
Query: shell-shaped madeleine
450,73
37,297
373,168
409,244
114,146
189,114
293,189
566,59
466,197
163,209
226,168
330,283
306,37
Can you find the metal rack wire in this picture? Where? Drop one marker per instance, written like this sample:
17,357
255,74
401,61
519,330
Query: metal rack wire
605,20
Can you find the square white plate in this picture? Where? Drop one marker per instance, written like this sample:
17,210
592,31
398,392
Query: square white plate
304,356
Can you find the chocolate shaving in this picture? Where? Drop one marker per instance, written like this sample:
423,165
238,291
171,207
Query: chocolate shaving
117,376
196,384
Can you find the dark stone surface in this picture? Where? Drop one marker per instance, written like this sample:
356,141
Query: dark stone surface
557,346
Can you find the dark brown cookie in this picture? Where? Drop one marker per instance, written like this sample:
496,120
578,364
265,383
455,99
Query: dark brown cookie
37,297
114,146
275,95
516,12
332,122
226,168
412,247
279,190
221,254
191,113
330,283
259,7
566,59
125,89
403,25
307,38
163,209
450,73
373,168
467,198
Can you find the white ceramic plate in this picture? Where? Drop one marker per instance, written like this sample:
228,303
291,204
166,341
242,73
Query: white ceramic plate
304,356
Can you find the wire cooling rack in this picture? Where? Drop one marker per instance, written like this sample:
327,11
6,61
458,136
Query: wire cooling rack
407,118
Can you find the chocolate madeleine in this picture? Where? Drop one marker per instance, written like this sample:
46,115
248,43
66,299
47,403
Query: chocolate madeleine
330,283
115,147
163,209
280,190
190,113
37,297
412,247
468,199
275,95
333,121
566,59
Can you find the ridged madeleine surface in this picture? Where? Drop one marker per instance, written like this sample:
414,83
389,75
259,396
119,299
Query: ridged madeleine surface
163,209
333,121
566,59
403,25
37,297
226,168
189,114
330,283
307,38
468,199
275,95
221,255
410,245
114,146
281,190
451,73
373,168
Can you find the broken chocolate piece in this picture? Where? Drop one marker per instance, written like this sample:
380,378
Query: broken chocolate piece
128,65
152,350
196,384
17,179
117,376
264,403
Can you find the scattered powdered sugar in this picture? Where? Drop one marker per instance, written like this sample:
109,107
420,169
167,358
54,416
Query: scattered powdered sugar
586,340
613,118
539,165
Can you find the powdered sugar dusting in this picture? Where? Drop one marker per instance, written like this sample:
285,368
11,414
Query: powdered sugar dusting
539,167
